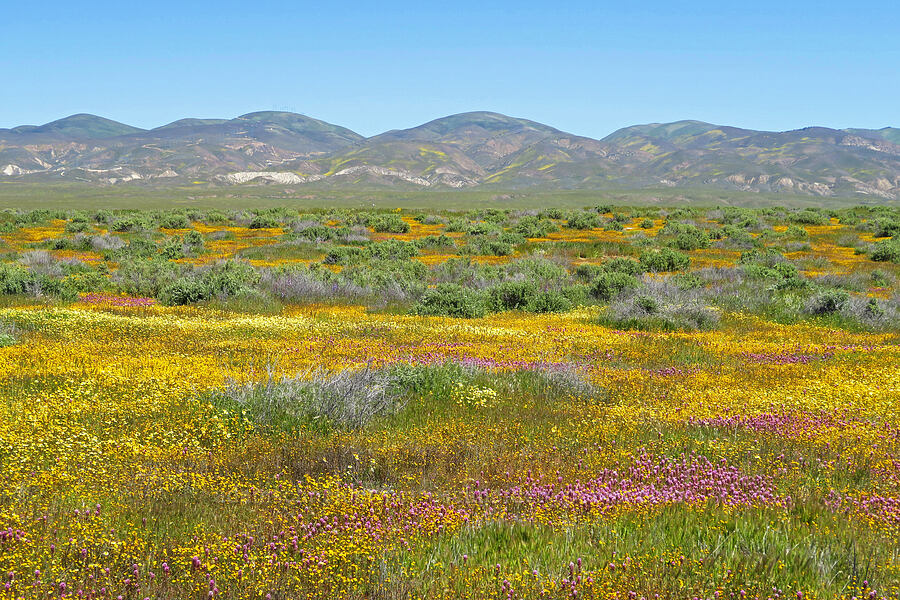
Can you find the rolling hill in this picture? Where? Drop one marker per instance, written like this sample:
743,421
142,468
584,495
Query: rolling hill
469,149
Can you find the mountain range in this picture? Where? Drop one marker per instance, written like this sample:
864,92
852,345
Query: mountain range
463,150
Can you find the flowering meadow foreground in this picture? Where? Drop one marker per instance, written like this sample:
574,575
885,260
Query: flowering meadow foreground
611,402
159,452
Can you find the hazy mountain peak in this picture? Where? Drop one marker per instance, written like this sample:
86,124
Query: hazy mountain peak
80,126
663,131
190,123
481,120
297,123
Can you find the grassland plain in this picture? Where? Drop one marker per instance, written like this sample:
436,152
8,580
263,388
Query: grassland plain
609,402
75,196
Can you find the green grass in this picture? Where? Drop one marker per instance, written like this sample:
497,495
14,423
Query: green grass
143,196
673,544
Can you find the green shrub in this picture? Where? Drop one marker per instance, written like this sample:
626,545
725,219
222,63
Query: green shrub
388,223
316,233
488,246
687,281
77,226
664,259
14,279
228,277
184,290
768,256
886,251
79,242
129,223
264,221
87,281
172,248
436,241
143,277
578,293
829,301
345,255
619,264
692,239
587,272
809,216
392,250
456,225
736,235
549,302
583,220
139,248
541,270
407,276
451,300
535,227
481,228
647,304
193,238
221,280
58,288
886,228
796,232
103,216
610,284
873,309
214,217
879,279
511,295
173,221
491,215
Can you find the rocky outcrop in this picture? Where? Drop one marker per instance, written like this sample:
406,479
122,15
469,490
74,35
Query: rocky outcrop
382,172
270,176
11,170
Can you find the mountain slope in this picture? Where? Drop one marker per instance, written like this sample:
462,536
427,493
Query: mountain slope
890,134
75,127
814,160
467,149
94,148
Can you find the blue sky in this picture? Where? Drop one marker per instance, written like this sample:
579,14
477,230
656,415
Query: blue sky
584,67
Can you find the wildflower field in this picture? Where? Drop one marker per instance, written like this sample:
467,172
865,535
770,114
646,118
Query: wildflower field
614,402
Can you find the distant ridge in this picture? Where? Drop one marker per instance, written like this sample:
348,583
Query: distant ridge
79,127
464,150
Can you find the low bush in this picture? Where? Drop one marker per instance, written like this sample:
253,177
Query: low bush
173,221
619,264
535,227
511,295
608,285
583,220
451,300
693,239
886,251
388,223
661,305
319,400
549,301
664,259
828,302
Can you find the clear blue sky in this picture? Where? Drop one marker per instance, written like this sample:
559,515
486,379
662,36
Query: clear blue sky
585,67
